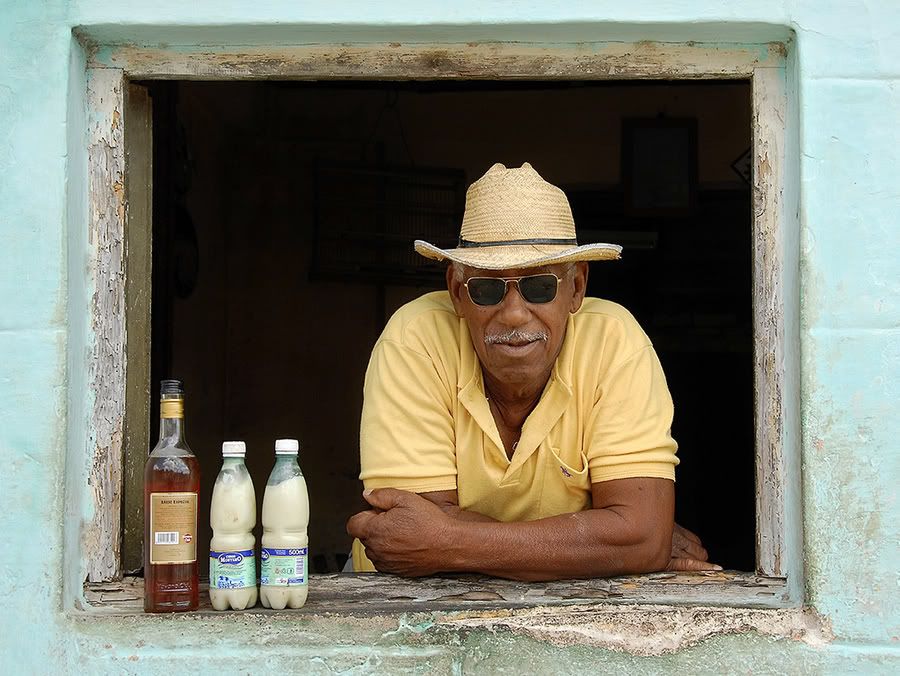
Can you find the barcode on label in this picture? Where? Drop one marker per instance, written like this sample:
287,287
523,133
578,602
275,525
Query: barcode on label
166,538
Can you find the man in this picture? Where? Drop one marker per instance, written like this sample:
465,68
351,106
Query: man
511,426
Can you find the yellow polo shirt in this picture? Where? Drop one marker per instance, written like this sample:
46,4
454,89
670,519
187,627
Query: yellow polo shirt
606,413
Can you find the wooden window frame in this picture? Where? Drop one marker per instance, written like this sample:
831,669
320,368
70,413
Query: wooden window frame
119,231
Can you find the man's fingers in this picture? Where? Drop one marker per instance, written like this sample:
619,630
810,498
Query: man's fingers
690,565
358,524
692,550
385,498
686,534
687,545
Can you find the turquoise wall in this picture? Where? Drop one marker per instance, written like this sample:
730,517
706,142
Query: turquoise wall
847,66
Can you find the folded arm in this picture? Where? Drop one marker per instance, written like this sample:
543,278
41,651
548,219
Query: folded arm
629,530
688,553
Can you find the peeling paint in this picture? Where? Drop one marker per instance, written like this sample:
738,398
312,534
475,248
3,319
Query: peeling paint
101,537
471,61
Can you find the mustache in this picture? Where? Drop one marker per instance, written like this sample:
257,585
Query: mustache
515,336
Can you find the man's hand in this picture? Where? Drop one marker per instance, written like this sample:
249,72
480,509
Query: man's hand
688,553
403,534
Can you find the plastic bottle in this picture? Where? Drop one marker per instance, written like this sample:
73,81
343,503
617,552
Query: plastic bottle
284,575
232,516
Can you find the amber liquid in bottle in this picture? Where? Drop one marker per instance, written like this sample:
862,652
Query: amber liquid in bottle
172,475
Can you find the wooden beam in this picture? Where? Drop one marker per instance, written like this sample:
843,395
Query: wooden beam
769,114
396,61
138,122
368,593
101,535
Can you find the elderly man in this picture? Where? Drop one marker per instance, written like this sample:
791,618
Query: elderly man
511,426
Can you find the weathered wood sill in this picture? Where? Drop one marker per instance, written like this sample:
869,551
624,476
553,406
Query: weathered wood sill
375,594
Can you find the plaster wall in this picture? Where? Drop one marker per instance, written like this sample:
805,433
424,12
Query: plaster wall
845,64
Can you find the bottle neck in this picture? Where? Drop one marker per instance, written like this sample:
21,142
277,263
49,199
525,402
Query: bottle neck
285,466
171,431
171,420
231,461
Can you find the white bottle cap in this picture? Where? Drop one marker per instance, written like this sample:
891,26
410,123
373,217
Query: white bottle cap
286,446
234,449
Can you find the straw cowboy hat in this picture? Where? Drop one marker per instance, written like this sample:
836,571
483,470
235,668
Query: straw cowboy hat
515,219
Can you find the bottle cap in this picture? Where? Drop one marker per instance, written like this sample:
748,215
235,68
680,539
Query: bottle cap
171,387
286,446
234,449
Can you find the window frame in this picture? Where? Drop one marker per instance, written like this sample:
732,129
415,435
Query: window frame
119,233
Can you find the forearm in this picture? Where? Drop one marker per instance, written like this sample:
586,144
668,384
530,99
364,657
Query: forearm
628,530
592,543
466,515
448,501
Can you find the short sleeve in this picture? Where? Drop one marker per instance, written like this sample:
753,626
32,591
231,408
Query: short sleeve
629,428
407,437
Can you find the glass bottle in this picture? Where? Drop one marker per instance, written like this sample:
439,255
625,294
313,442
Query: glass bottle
171,497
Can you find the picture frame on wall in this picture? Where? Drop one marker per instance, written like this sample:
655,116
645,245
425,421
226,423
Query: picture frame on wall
659,166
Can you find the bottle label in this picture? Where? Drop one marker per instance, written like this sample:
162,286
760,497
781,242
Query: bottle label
232,570
283,567
173,527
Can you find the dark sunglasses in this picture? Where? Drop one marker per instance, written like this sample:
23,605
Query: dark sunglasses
536,289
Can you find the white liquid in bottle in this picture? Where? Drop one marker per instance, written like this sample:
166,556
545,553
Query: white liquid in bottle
232,515
284,578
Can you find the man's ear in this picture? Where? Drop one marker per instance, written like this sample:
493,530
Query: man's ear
456,288
579,283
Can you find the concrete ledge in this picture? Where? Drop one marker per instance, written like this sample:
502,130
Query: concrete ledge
627,614
650,629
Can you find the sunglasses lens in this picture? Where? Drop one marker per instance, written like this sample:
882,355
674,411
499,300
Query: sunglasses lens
538,288
486,290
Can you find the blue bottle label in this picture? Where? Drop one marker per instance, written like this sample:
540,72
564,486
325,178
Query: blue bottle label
232,570
283,567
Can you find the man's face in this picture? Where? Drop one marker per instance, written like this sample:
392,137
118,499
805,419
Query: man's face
516,341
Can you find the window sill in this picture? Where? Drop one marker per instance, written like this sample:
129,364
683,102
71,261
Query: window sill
643,615
375,594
